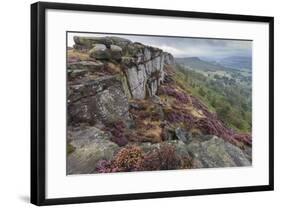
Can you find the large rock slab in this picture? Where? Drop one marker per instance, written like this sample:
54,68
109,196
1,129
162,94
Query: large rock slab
100,100
88,42
82,134
215,152
99,51
87,153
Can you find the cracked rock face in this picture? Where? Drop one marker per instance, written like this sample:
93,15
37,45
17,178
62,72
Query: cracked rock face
143,65
101,100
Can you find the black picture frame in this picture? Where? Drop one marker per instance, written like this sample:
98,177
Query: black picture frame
38,102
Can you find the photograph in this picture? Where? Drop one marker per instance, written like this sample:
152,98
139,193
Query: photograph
131,103
151,103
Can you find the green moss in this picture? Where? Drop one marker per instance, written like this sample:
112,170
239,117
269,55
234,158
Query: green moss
70,149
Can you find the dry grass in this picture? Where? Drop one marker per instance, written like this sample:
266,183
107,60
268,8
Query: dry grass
83,56
113,68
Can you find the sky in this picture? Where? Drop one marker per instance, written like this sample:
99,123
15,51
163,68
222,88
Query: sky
185,47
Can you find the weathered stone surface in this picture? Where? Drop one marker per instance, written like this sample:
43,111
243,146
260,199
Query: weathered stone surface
169,59
115,48
211,153
145,78
87,153
116,52
100,52
87,42
87,134
90,144
181,134
112,105
100,100
137,81
216,152
121,42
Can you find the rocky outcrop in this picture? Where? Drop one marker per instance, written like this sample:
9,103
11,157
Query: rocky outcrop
207,152
88,42
215,152
143,65
140,71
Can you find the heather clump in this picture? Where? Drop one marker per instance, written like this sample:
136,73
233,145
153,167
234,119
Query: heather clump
117,130
133,158
171,91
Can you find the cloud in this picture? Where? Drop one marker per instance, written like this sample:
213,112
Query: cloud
186,47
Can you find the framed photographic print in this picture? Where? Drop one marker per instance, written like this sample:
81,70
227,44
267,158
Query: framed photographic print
131,103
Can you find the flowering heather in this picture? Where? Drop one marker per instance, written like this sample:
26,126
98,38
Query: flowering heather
168,157
103,166
165,158
180,96
118,133
128,158
200,106
213,126
175,117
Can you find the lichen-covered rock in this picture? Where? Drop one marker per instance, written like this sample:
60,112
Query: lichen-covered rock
83,134
100,52
207,152
145,78
115,48
89,145
137,81
143,65
88,42
169,59
112,105
181,134
87,154
216,152
99,100
116,52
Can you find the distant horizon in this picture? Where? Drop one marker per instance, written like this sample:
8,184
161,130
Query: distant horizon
181,47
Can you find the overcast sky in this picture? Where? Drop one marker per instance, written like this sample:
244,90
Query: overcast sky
186,47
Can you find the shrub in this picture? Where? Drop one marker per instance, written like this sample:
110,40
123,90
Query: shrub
128,159
117,130
120,141
186,162
164,158
168,157
151,161
175,117
180,96
103,166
